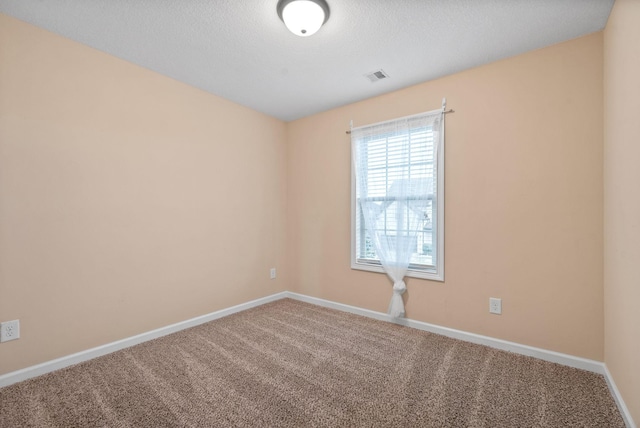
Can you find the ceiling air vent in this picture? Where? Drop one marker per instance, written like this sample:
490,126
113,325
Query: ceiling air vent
377,75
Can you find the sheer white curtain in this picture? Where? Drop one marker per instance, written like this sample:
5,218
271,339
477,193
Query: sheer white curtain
394,181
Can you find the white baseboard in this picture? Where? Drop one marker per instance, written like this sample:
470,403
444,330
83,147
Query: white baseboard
624,411
543,354
69,360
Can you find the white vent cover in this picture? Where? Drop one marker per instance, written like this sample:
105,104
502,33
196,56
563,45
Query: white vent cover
374,76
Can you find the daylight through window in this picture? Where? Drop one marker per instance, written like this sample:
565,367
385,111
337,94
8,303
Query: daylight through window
397,196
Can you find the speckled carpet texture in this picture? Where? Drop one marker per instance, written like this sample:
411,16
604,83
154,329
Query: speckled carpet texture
292,364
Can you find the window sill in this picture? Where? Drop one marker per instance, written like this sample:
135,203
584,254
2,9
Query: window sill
411,273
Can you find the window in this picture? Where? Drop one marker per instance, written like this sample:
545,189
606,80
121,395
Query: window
399,163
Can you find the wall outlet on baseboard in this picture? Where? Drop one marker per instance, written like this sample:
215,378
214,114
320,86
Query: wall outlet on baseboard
495,305
272,273
9,330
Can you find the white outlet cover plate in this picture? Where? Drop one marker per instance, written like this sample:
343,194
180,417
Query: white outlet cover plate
9,330
495,305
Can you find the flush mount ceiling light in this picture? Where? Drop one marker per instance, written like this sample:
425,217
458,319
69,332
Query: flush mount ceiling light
303,17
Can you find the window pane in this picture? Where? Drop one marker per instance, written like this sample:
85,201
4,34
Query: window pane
390,162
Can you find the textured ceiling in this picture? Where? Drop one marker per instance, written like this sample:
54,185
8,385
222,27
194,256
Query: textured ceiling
240,50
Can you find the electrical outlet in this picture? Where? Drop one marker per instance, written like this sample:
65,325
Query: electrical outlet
495,305
9,330
272,273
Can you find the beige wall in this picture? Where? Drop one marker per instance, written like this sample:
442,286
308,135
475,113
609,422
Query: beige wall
128,201
622,200
524,200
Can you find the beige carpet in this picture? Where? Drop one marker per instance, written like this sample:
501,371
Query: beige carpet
291,364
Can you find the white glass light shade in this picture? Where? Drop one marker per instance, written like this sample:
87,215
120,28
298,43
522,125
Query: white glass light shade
303,17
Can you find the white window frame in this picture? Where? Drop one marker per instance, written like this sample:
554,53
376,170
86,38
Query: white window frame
435,273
